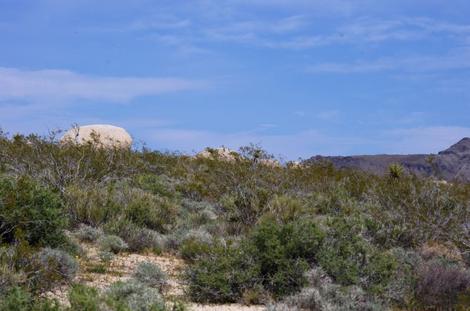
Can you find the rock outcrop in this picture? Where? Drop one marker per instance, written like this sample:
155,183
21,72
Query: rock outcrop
102,134
221,153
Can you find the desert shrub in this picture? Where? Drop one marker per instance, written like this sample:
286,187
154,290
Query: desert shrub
222,275
106,256
410,212
9,278
286,208
30,212
19,299
198,213
400,289
283,252
72,246
91,204
395,171
98,205
112,243
160,185
84,298
51,267
137,238
133,295
350,259
274,256
439,284
11,274
150,211
323,294
87,233
191,249
150,274
244,206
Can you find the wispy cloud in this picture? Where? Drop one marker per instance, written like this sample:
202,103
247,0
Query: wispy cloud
64,84
458,59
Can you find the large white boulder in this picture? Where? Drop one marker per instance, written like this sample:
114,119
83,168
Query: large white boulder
104,134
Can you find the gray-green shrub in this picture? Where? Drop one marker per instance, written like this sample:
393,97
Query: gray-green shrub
150,274
112,243
87,233
52,266
132,295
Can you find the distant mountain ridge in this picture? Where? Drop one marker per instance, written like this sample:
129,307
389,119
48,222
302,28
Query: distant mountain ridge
451,164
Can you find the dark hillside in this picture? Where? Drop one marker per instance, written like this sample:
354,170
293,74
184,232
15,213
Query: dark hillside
450,164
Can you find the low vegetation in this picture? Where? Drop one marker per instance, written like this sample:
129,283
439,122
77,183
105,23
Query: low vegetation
289,237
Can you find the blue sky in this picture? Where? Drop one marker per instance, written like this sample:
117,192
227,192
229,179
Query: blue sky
299,77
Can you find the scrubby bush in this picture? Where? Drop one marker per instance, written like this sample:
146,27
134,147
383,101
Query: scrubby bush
84,298
87,233
137,238
191,249
274,255
222,275
150,274
106,256
98,205
150,211
112,243
51,267
440,284
400,290
19,299
30,212
160,185
133,295
323,294
351,260
283,252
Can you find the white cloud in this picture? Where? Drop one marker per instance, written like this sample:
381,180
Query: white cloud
64,84
458,59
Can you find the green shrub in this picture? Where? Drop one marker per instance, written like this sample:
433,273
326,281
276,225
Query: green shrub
19,299
112,243
98,205
160,185
91,204
283,252
30,212
84,298
16,300
222,275
150,274
274,256
191,249
150,211
350,259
